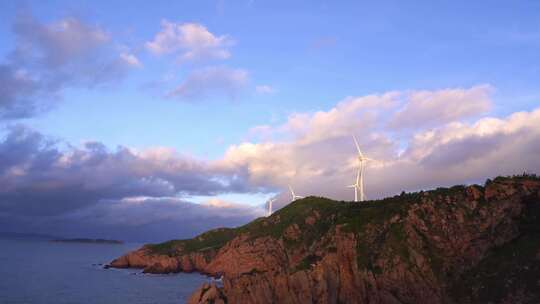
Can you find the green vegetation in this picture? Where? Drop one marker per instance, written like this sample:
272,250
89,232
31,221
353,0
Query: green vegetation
355,216
295,213
324,213
213,239
366,221
322,210
524,176
378,225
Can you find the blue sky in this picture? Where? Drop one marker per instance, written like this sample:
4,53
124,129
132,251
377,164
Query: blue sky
273,64
314,54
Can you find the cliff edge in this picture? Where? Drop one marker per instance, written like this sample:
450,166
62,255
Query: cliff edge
465,244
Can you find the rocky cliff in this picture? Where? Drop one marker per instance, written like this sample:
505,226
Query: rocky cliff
474,244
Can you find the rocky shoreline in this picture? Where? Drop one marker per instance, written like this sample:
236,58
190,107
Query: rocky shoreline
436,246
145,259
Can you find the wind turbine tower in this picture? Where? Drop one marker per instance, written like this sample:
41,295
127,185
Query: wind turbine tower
359,184
270,201
294,196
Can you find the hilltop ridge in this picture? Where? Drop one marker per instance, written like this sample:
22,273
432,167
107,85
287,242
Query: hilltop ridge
464,244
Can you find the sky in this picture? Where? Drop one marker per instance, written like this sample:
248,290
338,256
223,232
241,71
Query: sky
146,121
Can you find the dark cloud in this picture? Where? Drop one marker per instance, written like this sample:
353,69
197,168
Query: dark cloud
39,178
18,93
137,219
50,57
50,186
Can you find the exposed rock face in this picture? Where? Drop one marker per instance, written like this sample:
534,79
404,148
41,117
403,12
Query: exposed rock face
208,294
427,247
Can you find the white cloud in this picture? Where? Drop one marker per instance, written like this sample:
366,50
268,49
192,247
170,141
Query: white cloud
191,41
211,81
131,60
265,89
429,108
352,115
315,152
373,114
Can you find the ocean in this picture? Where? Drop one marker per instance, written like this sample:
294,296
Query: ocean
39,271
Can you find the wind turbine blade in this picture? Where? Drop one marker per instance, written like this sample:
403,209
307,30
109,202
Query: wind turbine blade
357,146
358,177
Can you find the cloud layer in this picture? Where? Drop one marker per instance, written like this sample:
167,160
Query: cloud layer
315,153
426,108
38,177
52,184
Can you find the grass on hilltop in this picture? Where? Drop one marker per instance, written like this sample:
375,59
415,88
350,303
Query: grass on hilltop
352,217
213,239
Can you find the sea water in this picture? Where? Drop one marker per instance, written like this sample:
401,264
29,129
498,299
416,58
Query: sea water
39,271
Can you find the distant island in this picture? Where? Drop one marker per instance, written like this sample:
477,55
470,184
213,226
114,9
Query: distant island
464,244
21,235
84,240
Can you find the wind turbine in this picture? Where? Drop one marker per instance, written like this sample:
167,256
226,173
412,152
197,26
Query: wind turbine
359,185
294,196
270,201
